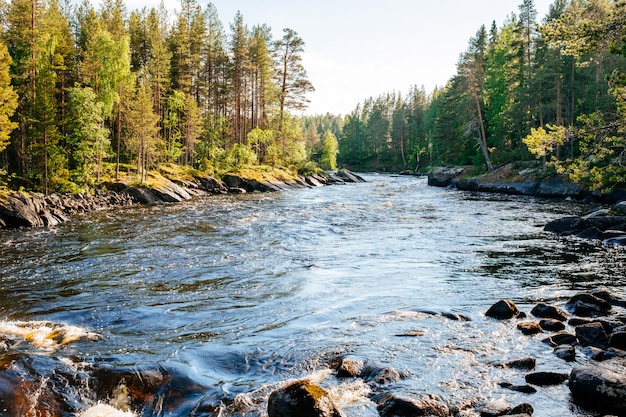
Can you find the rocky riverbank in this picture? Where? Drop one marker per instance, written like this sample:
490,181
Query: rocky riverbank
518,179
591,330
23,209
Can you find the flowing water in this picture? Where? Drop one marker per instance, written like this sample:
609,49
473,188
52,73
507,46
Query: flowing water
203,308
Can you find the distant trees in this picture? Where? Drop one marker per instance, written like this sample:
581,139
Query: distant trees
82,87
555,90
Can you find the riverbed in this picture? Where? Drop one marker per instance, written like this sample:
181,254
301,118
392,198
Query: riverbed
228,297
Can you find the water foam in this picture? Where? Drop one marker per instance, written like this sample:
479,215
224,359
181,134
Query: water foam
105,410
46,335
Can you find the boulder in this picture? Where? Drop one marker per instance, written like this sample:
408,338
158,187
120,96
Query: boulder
350,368
381,376
529,328
560,338
592,334
565,352
552,325
503,310
495,408
546,378
588,305
601,387
618,340
302,399
609,297
393,406
19,210
545,311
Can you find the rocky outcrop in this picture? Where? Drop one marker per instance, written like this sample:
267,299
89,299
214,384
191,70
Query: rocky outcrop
20,209
515,178
606,225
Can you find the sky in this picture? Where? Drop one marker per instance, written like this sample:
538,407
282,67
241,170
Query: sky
356,49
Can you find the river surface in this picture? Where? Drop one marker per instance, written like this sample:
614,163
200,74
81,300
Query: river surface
226,298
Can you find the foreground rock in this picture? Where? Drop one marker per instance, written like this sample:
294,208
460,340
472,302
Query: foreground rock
302,399
503,310
392,406
601,387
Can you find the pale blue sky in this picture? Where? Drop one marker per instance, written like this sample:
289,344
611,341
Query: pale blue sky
357,49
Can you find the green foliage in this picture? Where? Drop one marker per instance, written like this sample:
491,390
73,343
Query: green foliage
330,148
542,142
8,98
87,138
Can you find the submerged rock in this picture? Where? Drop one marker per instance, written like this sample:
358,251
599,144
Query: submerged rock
302,399
546,378
525,389
525,364
350,368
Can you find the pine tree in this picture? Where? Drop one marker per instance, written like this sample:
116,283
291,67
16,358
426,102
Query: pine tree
8,98
144,138
291,77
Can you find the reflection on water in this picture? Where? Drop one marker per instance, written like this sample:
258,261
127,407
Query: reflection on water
213,303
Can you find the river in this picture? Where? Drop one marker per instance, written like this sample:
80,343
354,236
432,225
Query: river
225,298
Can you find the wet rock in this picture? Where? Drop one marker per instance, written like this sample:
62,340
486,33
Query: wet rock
560,338
503,310
350,368
552,325
525,364
302,399
609,297
381,376
565,352
592,334
522,410
393,406
592,233
545,311
525,389
495,408
546,378
529,328
596,354
618,340
600,387
568,225
588,305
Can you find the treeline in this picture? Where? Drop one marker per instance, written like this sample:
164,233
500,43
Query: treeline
523,79
87,91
